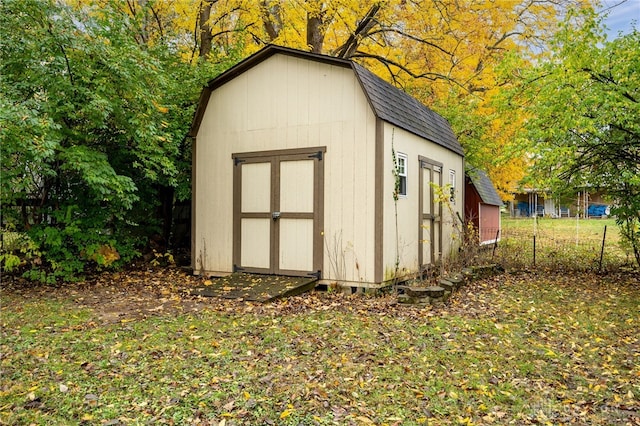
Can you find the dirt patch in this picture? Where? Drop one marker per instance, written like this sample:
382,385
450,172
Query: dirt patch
136,294
124,296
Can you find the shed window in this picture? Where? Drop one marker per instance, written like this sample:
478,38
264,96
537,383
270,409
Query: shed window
452,186
402,174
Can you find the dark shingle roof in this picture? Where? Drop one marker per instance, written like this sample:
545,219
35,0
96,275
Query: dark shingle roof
388,102
485,188
397,107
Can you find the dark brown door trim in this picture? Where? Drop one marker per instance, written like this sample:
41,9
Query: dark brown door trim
435,216
275,158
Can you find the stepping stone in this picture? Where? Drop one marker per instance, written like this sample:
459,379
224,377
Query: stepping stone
438,301
435,291
417,291
447,285
405,298
456,280
431,291
468,273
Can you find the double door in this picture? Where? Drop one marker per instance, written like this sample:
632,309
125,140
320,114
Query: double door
278,204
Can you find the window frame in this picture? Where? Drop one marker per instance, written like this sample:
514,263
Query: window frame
402,173
452,189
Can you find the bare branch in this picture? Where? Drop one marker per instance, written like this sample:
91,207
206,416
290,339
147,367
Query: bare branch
159,22
368,22
505,36
426,75
410,37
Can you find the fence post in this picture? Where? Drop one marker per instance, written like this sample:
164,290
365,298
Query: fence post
604,235
495,244
534,250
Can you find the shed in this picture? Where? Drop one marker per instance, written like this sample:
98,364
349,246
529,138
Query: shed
482,205
293,160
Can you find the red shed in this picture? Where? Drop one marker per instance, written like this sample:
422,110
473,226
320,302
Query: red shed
482,205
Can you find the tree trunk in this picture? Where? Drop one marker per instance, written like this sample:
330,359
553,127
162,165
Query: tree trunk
272,19
315,32
206,38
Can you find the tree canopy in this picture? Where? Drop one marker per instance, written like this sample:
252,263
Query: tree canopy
96,97
93,126
583,106
448,54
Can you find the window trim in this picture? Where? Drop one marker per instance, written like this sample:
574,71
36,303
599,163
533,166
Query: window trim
403,175
452,183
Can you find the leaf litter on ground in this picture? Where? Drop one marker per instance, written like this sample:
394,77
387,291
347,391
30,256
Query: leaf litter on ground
134,348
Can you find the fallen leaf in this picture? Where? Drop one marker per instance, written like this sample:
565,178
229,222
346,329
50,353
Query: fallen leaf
286,413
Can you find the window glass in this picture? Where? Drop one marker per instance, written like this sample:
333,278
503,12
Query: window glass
452,183
402,174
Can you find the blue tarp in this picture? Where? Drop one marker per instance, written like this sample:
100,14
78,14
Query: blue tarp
525,209
598,210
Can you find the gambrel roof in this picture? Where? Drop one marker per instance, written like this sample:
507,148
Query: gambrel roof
388,103
397,107
484,186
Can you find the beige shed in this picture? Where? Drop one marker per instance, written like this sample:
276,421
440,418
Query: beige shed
293,161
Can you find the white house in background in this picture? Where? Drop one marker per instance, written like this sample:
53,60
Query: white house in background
293,156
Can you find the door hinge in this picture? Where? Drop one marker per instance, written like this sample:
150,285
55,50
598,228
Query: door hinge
316,274
317,155
237,161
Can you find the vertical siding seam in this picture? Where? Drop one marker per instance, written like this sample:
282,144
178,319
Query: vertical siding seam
379,203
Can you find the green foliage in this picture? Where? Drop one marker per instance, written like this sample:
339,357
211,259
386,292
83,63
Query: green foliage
584,105
92,125
77,242
9,261
17,251
162,259
396,174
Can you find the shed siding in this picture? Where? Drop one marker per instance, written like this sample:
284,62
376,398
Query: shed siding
489,222
286,102
408,222
472,202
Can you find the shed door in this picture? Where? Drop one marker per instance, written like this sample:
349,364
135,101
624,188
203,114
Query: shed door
430,215
278,212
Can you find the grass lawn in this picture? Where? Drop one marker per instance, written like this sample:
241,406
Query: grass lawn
561,244
512,349
567,228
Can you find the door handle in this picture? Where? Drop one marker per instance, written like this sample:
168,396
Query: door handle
275,215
